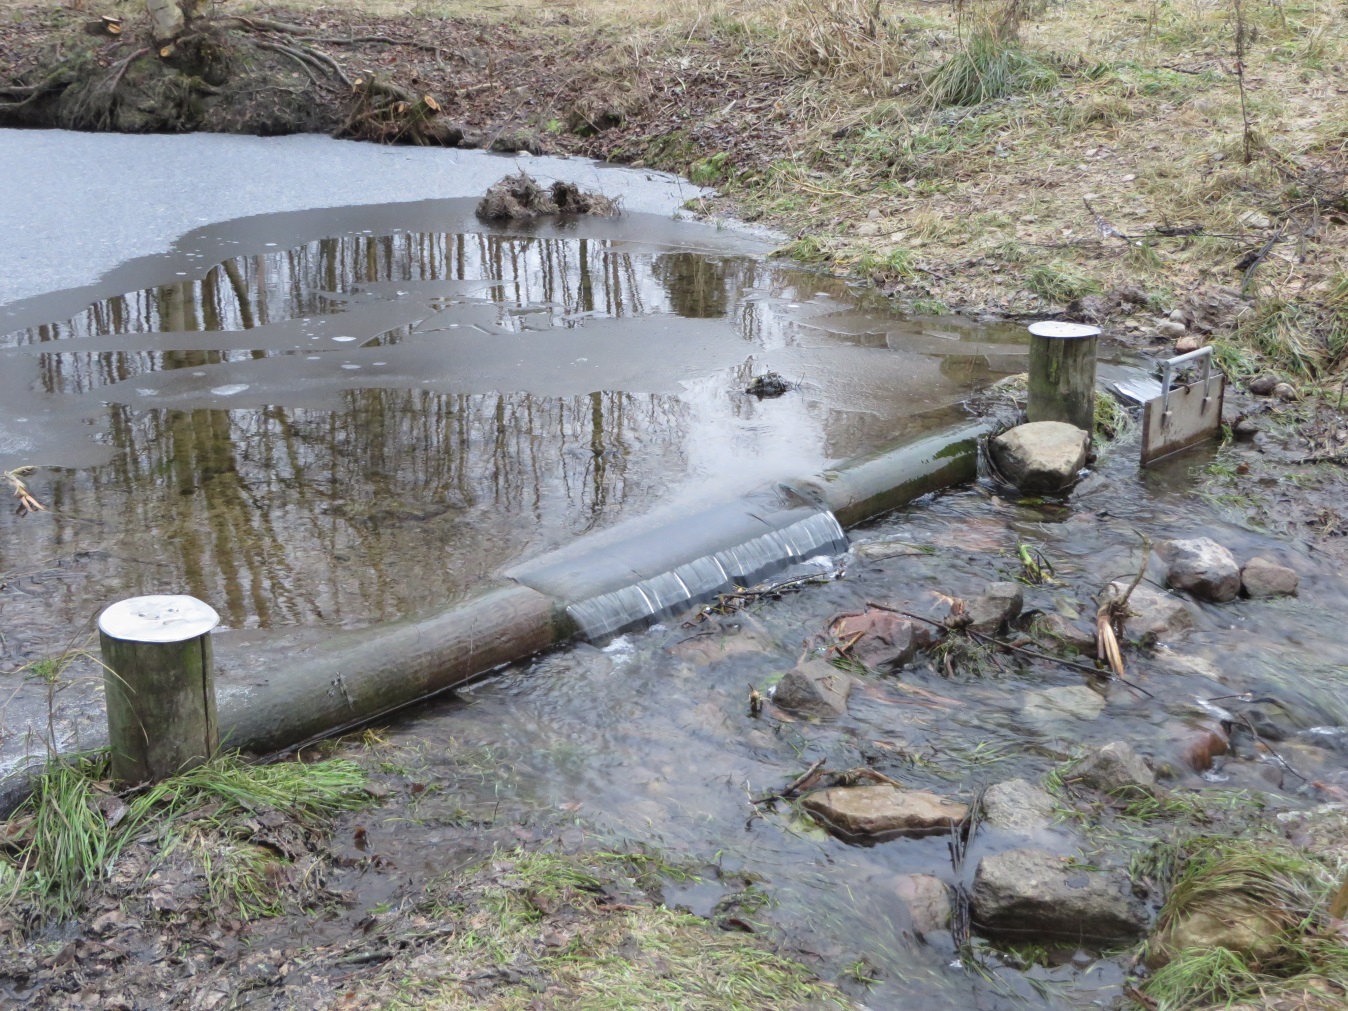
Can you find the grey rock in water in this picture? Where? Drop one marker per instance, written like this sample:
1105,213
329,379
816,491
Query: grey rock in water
1067,632
1031,891
1017,806
1042,457
814,688
1263,385
1155,615
1112,767
993,609
883,810
1070,701
1202,567
927,899
1264,578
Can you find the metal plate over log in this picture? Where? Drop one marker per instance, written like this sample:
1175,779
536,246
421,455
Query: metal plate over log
1186,415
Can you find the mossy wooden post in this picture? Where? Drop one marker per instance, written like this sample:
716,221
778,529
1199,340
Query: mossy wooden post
159,684
1062,374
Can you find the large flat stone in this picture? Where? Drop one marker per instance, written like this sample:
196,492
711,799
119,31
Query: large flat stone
1033,893
1041,458
883,810
1069,702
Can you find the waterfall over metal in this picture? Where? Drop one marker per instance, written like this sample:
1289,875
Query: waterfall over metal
636,580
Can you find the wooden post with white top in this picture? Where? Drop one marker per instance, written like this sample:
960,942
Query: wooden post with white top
160,686
1062,374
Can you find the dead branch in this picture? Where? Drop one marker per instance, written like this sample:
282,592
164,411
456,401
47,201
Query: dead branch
802,782
1034,653
1251,263
27,503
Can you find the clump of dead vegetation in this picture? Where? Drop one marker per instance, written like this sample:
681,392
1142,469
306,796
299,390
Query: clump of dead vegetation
520,197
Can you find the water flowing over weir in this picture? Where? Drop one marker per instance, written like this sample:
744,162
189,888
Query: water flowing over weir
640,579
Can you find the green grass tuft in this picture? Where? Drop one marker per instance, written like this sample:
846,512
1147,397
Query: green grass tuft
1060,282
1287,892
985,69
66,837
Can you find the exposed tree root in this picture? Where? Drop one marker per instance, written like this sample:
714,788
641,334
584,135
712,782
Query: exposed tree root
233,74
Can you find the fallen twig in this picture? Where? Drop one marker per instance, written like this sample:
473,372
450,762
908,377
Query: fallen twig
801,782
1036,654
27,503
1251,263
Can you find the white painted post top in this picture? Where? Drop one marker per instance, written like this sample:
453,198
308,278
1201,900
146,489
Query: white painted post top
162,617
1051,328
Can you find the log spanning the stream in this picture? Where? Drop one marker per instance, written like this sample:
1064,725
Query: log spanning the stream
160,685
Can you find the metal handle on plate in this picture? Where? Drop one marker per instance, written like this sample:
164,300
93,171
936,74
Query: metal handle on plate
1167,372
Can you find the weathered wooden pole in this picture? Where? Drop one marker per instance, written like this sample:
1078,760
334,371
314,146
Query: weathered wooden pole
159,684
1062,374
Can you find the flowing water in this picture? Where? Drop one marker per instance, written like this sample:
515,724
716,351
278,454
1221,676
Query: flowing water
647,739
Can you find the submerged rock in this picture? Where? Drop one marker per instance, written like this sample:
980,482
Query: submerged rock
1076,701
881,638
1067,632
1202,567
1017,806
1155,615
1042,457
1263,578
883,810
927,899
814,688
998,605
1028,892
1113,767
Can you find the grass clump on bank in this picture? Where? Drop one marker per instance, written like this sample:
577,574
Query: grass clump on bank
66,839
988,67
1302,338
550,919
1247,921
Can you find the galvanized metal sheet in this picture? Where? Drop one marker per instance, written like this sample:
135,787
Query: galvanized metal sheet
1187,416
1136,391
